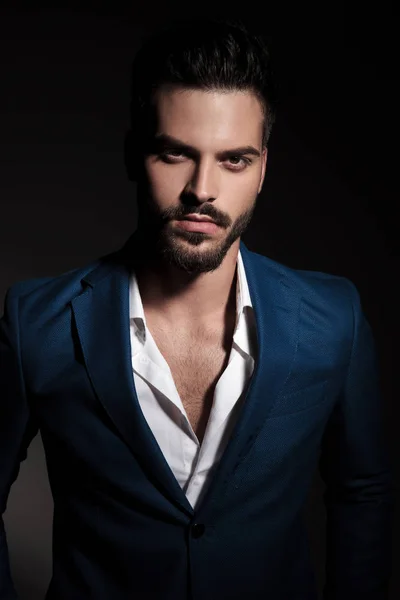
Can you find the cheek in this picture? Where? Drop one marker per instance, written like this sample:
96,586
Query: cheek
241,189
163,183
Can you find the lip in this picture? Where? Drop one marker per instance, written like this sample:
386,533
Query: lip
202,226
197,218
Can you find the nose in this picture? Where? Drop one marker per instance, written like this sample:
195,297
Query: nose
204,181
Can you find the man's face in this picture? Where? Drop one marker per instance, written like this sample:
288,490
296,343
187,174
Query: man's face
192,165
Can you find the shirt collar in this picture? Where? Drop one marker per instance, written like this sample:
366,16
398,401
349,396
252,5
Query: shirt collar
241,334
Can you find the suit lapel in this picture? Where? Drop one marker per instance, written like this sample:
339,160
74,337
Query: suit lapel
276,303
101,315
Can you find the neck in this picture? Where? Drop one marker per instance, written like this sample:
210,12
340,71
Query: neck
180,298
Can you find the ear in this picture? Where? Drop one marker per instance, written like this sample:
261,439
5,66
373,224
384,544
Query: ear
264,157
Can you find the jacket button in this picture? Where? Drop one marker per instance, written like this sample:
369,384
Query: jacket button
198,530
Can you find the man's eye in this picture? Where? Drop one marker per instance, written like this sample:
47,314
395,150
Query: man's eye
235,161
171,153
236,158
242,161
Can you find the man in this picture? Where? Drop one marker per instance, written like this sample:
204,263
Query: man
185,387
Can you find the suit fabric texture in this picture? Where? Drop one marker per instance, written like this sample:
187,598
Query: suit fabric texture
123,527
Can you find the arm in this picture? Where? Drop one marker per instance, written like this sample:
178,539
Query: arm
17,427
354,465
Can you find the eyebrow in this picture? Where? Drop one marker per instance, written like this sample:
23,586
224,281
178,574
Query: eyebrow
163,141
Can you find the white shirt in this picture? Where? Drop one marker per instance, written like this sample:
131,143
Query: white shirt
192,463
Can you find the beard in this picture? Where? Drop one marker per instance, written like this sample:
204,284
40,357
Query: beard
191,252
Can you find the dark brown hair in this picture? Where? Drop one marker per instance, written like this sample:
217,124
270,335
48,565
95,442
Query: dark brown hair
202,53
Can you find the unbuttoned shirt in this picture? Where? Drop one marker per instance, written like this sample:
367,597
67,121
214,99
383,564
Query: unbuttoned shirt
192,463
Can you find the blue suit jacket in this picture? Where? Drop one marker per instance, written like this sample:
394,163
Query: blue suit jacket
123,527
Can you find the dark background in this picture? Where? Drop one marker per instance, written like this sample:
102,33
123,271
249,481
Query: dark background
329,199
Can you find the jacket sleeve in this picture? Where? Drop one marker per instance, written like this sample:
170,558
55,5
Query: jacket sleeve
17,425
355,466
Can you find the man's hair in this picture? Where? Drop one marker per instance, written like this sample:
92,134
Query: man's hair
212,54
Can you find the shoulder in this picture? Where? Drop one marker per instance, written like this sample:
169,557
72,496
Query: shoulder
316,285
326,298
44,294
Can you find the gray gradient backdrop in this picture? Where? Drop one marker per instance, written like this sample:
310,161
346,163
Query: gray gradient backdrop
326,203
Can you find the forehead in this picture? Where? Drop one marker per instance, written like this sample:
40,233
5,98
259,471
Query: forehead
209,118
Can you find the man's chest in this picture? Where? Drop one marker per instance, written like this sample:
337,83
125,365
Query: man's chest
196,364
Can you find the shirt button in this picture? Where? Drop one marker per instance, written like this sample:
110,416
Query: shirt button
198,530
